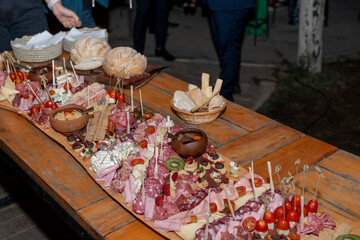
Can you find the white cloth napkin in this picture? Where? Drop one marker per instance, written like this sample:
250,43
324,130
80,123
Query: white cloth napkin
41,40
74,34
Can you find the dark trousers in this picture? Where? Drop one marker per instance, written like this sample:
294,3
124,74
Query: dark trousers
143,13
228,30
19,18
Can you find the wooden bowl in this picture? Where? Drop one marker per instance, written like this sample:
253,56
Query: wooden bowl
190,149
70,126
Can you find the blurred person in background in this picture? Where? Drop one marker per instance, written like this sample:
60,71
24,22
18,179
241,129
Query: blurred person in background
142,17
27,17
227,23
83,8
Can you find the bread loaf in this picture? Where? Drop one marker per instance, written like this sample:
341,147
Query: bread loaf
124,62
89,50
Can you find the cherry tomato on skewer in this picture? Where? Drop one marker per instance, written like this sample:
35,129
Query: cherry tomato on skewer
54,106
13,77
249,224
313,206
20,75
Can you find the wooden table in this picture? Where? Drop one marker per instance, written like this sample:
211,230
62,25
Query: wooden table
240,134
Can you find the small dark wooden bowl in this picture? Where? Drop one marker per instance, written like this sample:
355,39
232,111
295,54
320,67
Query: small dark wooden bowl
190,149
70,126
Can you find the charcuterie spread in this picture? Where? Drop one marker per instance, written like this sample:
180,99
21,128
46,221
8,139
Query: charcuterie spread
170,177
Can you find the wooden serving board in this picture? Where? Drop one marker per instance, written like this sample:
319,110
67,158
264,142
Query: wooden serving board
59,138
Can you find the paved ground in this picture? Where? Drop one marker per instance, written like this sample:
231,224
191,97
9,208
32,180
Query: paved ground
25,216
191,44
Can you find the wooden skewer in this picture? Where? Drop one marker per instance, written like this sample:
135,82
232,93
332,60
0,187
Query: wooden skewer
270,176
141,103
67,81
302,213
305,169
128,123
253,182
168,122
34,92
231,209
76,76
132,98
318,181
53,71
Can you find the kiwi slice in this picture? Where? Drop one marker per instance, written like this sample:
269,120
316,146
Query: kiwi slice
174,164
348,237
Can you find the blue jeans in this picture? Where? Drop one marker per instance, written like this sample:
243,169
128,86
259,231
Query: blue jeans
227,29
19,18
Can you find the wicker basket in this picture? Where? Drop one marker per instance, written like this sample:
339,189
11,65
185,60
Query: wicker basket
199,117
35,54
67,44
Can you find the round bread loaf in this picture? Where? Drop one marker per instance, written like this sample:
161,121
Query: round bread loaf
89,48
124,62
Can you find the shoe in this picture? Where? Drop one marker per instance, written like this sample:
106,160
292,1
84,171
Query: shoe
164,54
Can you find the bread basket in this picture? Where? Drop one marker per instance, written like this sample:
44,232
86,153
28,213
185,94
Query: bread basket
67,44
198,117
35,54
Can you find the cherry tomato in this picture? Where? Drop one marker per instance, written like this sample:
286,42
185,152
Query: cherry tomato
306,211
294,236
249,224
241,191
13,77
42,105
49,104
52,92
147,115
283,224
293,216
193,219
313,206
143,143
150,130
288,206
279,212
26,77
137,161
65,86
213,207
54,106
25,96
18,80
112,94
174,176
269,217
34,109
261,226
297,200
20,74
258,182
121,98
227,208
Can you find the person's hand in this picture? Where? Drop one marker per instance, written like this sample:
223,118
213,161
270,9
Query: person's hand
67,17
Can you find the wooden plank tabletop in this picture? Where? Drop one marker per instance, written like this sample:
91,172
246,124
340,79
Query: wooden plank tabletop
239,134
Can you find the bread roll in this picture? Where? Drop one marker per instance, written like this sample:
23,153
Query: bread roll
89,48
124,62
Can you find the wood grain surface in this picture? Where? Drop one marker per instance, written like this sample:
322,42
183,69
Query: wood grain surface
240,135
